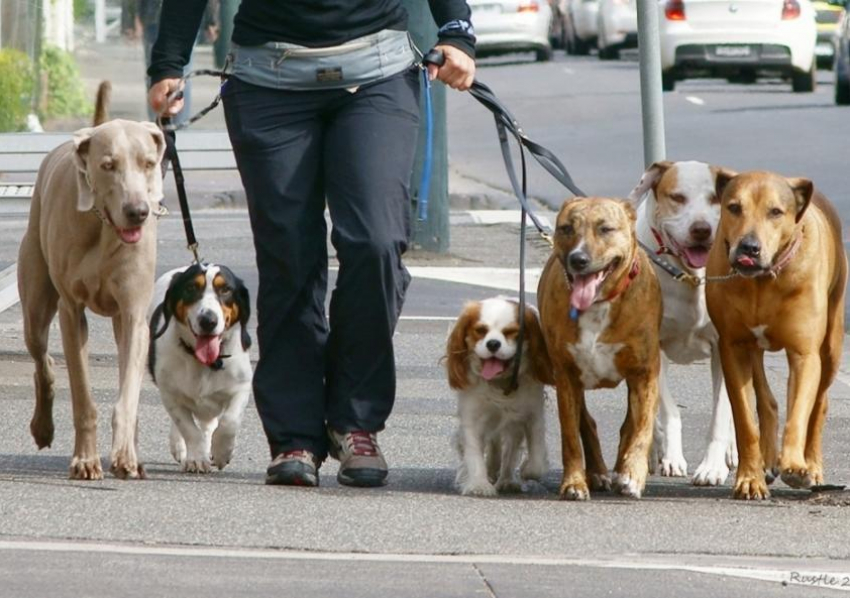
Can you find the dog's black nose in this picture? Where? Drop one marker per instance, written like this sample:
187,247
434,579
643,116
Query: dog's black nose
579,260
207,321
493,345
749,246
700,231
136,213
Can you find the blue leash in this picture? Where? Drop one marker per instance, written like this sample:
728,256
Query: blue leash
425,181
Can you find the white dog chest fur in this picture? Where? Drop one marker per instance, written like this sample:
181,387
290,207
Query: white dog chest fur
595,359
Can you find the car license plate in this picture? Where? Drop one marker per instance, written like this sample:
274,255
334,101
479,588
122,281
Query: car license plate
733,51
824,49
487,9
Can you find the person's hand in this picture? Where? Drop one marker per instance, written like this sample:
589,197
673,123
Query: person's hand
158,97
458,71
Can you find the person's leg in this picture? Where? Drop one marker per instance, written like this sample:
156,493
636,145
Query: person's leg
370,145
277,140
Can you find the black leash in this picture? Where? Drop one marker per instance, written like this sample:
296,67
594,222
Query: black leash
169,131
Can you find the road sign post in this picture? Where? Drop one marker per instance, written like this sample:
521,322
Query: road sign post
652,105
431,234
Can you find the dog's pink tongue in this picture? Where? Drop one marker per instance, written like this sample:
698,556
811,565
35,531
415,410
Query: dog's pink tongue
584,290
492,367
130,235
697,257
207,349
746,260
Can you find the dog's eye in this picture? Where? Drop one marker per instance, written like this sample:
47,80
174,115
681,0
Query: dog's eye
480,329
150,164
606,229
678,198
108,165
734,208
775,212
566,229
224,290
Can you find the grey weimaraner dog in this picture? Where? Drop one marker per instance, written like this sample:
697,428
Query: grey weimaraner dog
91,243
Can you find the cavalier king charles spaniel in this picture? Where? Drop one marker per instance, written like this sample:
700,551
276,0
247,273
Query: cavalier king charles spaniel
495,419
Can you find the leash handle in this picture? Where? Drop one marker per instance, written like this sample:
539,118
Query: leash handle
435,57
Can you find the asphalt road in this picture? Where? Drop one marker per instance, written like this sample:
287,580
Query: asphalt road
226,534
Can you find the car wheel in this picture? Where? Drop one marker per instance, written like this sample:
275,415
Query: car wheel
842,86
804,81
668,81
543,54
578,46
609,53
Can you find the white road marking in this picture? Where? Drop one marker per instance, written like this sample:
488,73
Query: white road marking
9,287
811,576
695,100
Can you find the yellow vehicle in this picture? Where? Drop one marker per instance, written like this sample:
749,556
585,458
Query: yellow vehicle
829,15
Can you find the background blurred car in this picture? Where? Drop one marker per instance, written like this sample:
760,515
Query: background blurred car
503,26
574,25
842,61
828,15
616,25
738,39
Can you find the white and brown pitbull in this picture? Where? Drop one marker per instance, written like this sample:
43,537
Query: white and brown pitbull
781,240
677,215
600,310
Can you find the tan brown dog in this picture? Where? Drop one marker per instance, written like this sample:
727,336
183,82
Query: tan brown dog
600,309
783,240
91,244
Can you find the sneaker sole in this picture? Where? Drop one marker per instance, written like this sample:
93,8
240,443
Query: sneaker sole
292,476
364,478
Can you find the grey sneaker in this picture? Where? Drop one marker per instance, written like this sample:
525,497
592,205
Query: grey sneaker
293,468
360,460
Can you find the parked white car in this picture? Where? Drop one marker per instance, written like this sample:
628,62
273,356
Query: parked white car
574,25
503,26
616,25
740,40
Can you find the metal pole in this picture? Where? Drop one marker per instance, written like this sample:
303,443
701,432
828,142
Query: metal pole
433,233
652,106
100,21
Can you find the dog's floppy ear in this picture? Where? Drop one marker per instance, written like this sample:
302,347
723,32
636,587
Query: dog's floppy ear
85,192
803,191
158,138
165,310
538,354
722,176
648,181
457,352
243,300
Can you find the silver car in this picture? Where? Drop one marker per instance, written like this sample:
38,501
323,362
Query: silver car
503,26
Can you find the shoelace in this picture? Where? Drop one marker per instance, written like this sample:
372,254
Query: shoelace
362,444
299,454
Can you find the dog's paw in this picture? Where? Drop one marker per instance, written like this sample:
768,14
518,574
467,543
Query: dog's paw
599,482
710,474
126,467
627,485
508,486
673,466
177,445
196,465
533,470
750,487
770,474
86,469
574,491
797,477
41,428
478,488
222,450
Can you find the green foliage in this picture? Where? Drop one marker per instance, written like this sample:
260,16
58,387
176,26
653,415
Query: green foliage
15,89
83,9
65,94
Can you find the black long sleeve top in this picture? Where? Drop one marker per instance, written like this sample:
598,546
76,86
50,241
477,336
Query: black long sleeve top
311,23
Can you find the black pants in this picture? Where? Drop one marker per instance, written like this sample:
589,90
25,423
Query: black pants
296,151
